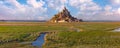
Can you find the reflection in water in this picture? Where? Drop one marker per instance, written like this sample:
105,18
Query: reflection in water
39,41
117,30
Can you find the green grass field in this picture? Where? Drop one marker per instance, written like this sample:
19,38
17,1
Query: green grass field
65,35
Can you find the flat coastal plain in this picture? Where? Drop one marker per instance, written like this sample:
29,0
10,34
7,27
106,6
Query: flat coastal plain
63,35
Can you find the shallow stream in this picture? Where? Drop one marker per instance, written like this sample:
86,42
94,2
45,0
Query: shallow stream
39,41
117,30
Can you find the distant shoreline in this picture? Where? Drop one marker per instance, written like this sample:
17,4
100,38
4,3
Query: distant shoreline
47,20
22,20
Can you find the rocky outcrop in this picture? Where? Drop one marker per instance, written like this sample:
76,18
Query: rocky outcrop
64,16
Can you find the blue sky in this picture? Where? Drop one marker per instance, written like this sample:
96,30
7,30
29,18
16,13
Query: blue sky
45,9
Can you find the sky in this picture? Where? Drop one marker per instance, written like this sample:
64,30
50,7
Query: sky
46,9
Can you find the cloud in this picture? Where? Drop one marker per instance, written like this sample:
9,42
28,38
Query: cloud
109,13
115,2
57,4
119,10
12,9
40,10
87,8
35,4
108,8
85,5
78,2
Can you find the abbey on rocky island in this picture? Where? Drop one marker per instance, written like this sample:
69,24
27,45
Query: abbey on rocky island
64,16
